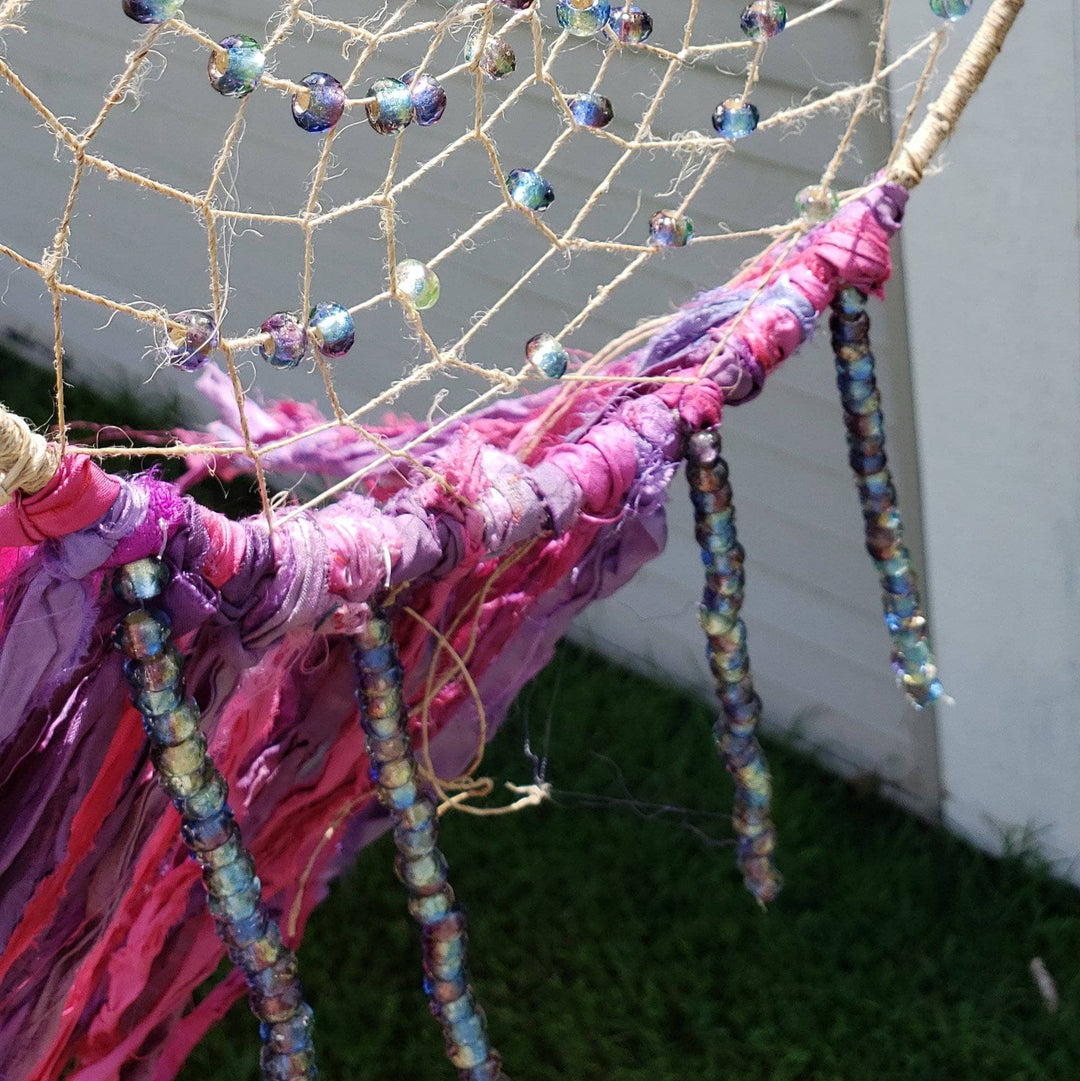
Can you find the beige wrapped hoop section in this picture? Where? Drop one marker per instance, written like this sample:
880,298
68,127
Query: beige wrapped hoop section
28,461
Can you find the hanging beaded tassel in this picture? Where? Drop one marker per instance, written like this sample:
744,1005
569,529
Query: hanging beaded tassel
419,863
154,670
912,658
740,707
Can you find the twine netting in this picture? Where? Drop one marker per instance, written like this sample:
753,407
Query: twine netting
483,528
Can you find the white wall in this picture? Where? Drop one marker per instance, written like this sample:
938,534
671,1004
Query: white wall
992,274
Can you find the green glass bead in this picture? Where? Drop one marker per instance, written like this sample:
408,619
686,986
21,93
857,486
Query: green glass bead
394,774
206,801
178,785
388,704
816,203
420,814
260,953
496,59
142,633
236,906
206,833
232,878
182,758
418,282
424,876
950,9
391,109
432,907
236,66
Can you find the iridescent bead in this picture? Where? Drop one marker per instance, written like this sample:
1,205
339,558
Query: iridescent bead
206,833
735,119
181,759
261,952
488,1070
158,701
418,282
175,726
295,1067
142,580
320,105
288,342
286,1037
164,669
428,97
546,352
277,1007
816,203
529,189
394,774
458,1009
763,19
243,934
420,814
950,9
465,1055
631,25
152,11
443,991
230,879
414,843
424,876
207,801
188,346
392,109
581,18
236,68
670,230
176,785
590,110
389,749
397,799
142,633
433,907
234,906
332,330
497,59
517,5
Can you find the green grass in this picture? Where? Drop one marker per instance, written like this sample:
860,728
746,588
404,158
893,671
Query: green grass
613,942
610,944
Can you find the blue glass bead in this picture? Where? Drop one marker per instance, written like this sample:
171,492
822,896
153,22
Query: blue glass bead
320,105
850,300
432,908
278,977
285,1037
420,814
206,833
182,758
424,876
247,933
488,1070
235,906
670,230
418,282
444,960
261,952
547,353
497,59
175,726
582,18
763,19
287,342
735,119
529,189
397,799
816,203
143,633
142,580
332,330
236,68
392,109
206,801
465,1055
299,1066
950,9
442,991
152,11
458,1009
469,1031
232,878
590,110
631,25
155,673
153,703
428,97
188,345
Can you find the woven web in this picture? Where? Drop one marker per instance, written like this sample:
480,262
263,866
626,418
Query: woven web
356,194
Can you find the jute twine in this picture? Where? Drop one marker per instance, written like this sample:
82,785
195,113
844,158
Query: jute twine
28,461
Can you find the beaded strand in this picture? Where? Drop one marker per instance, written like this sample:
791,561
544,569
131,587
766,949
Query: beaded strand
419,863
725,632
154,670
912,657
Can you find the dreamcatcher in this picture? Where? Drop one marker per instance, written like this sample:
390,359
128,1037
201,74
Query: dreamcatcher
431,575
